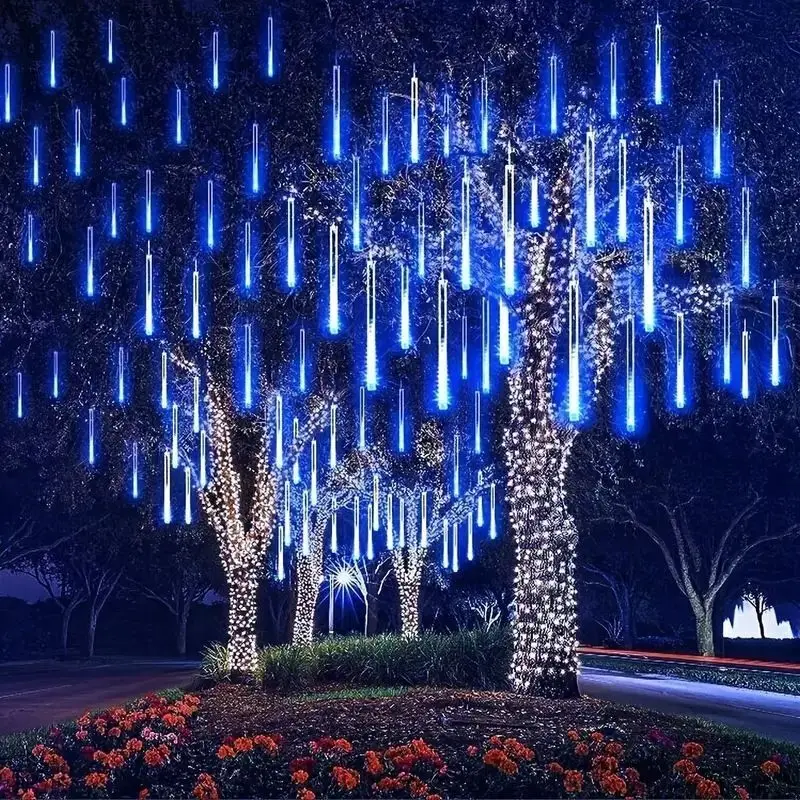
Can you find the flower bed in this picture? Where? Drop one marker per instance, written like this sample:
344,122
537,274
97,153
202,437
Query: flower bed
157,748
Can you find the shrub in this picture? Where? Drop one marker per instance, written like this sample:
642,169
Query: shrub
467,659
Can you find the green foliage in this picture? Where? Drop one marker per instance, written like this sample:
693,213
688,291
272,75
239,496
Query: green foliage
368,693
469,659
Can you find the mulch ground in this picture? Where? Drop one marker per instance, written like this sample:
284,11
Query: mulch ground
447,719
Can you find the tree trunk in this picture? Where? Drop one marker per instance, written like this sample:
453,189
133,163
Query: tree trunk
66,618
704,627
242,589
408,574
626,618
183,624
308,581
93,614
760,617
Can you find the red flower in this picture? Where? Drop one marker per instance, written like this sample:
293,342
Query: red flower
28,795
388,785
300,777
243,744
306,794
685,767
612,784
144,794
613,749
266,742
771,768
133,745
373,764
206,788
581,749
692,750
96,780
154,756
499,760
115,733
573,781
346,779
573,735
555,768
596,736
7,776
706,788
225,751
472,750
742,793
632,774
516,749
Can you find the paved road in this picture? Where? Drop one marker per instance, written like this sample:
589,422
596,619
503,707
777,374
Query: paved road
41,693
776,716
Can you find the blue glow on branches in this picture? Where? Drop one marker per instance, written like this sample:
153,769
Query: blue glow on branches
175,455
414,117
679,195
215,60
195,301
255,182
148,201
680,360
385,134
591,218
77,164
648,266
717,132
110,54
333,279
484,112
55,375
167,499
114,231
574,399
622,191
90,261
291,267
35,155
210,214
248,365
613,111
775,367
164,384
336,108
466,268
356,190
123,102
405,308
509,265
745,237
658,89
442,391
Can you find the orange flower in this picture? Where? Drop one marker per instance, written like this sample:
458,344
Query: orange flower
300,777
499,760
266,742
115,759
243,744
555,768
206,788
692,750
742,793
96,780
434,797
771,768
100,757
388,785
573,781
306,794
685,767
7,776
342,745
417,788
346,779
373,763
581,749
39,750
596,736
472,750
516,749
613,784
225,751
573,735
28,795
133,745
154,756
707,788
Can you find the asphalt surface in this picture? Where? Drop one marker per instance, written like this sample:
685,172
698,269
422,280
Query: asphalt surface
776,716
42,693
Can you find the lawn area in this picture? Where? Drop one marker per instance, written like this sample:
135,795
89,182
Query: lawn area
235,740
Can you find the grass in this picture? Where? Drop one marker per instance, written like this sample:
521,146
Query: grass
350,694
763,680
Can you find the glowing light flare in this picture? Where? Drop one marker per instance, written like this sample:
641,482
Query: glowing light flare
270,47
52,59
77,162
622,190
123,102
255,183
717,129
484,112
630,373
423,525
334,527
29,238
504,334
280,568
553,94
19,395
356,528
401,524
178,117
247,256
464,345
203,466
375,501
287,513
35,176
445,544
477,424
658,89
535,212
187,496
389,522
574,381
110,47
195,301
456,465
302,360
210,214
7,94
114,231
164,394
56,387
446,125
313,493
492,511
455,565
305,537
91,437
470,538
401,420
135,471
148,201
612,71
486,347
215,60
278,431
332,456
296,464
385,134
121,374
405,308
